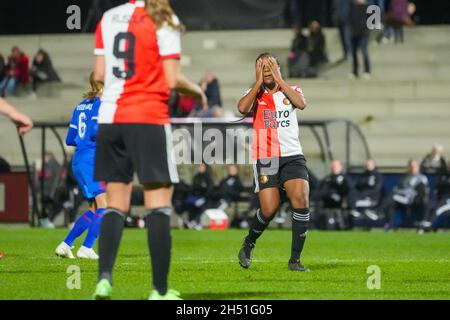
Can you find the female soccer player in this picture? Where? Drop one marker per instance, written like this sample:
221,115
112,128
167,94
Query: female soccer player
138,49
278,154
82,134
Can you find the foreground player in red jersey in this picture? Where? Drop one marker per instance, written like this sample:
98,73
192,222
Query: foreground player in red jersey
138,49
278,156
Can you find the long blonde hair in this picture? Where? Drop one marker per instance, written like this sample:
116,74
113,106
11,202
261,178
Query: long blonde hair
162,13
96,88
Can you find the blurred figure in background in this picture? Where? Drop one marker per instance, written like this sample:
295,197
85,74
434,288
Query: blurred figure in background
333,191
367,192
316,45
2,67
52,174
42,69
181,192
210,85
359,37
410,197
440,209
434,162
229,188
298,58
341,15
15,72
202,188
398,15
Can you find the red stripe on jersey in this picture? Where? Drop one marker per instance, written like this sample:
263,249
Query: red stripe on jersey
172,56
98,37
145,95
265,137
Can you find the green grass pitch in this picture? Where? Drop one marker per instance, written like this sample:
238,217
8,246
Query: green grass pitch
204,266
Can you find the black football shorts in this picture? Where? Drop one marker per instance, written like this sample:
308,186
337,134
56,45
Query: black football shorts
123,149
274,172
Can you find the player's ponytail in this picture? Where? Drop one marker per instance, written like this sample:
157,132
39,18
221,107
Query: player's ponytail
162,14
96,88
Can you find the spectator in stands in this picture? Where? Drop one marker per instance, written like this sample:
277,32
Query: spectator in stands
398,15
367,192
334,189
180,195
42,69
229,188
359,37
211,87
202,188
341,14
316,45
16,72
2,67
410,197
298,58
434,162
51,173
440,209
74,197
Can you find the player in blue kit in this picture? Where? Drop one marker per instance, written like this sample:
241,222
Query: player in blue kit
82,134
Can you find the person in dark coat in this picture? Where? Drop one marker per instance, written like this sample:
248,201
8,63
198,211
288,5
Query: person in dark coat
201,190
367,192
42,69
360,37
341,13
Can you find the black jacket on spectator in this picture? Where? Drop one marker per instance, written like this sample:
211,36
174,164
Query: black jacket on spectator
358,19
443,186
341,11
180,193
369,183
46,67
212,92
299,44
316,48
202,185
229,188
368,187
334,189
2,67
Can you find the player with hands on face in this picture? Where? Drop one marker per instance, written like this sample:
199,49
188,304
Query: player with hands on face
279,162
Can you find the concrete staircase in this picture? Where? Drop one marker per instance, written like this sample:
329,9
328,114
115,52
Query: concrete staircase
403,109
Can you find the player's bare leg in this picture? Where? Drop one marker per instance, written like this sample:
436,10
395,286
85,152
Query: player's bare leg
118,196
269,199
298,193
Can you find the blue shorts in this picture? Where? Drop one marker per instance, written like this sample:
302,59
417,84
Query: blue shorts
84,173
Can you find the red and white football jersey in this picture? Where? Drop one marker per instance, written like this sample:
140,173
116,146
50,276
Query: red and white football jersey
136,90
275,126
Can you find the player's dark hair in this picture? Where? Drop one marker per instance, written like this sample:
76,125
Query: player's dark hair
268,55
96,88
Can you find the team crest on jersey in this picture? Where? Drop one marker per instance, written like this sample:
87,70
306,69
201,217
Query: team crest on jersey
286,101
263,179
